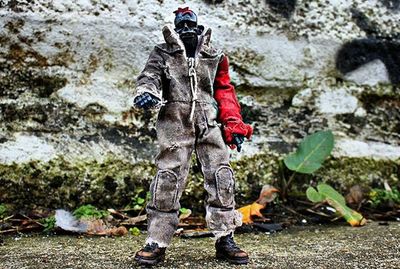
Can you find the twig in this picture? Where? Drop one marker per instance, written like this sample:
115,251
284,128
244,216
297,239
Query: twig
32,220
292,210
318,213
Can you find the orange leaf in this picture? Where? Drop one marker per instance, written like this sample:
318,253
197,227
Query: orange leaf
255,209
246,218
250,210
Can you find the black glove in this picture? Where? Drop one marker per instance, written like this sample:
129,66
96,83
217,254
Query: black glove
238,141
146,101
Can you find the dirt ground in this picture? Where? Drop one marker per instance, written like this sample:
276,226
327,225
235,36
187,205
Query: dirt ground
335,246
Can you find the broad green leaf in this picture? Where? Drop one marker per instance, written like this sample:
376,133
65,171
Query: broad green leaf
328,191
314,196
312,151
350,215
335,199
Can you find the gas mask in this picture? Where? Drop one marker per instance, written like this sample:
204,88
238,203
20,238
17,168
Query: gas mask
187,28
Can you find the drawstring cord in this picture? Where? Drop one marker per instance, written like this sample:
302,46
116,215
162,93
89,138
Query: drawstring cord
193,85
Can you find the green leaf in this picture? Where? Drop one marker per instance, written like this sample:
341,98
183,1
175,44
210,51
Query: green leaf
314,196
89,211
328,191
134,231
183,210
335,199
48,223
312,151
140,201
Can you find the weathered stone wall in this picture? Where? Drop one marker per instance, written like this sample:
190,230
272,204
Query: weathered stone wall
67,76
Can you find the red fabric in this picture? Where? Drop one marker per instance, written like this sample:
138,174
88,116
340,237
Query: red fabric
183,10
228,105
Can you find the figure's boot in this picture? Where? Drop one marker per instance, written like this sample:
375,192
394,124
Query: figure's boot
151,254
226,249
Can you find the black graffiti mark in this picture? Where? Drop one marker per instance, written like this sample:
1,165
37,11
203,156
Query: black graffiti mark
359,52
283,7
391,4
213,1
377,46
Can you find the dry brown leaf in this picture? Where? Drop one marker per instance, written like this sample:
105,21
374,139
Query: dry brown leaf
355,195
117,231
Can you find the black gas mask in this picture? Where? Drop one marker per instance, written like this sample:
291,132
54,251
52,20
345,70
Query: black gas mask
187,28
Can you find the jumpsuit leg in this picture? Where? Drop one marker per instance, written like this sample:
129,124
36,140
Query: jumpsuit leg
213,154
176,139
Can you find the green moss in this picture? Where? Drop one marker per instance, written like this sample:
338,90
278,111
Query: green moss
115,182
347,172
3,211
60,183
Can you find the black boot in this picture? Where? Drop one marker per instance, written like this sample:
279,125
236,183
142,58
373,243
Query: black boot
226,249
151,254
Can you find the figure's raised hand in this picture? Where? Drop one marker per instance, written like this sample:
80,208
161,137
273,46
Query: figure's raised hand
146,101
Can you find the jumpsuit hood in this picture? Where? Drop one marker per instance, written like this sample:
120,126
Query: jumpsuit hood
174,44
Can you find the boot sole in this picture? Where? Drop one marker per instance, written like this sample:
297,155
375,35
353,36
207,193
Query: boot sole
144,261
233,261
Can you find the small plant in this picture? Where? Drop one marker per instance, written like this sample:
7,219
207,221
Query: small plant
3,211
138,202
384,197
183,210
134,231
89,211
328,194
48,223
309,156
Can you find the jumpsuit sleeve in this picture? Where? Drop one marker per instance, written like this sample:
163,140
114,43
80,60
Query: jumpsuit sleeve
150,79
228,105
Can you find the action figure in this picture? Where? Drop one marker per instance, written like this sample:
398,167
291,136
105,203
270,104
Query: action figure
199,111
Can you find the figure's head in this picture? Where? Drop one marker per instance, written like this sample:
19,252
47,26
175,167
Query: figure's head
186,23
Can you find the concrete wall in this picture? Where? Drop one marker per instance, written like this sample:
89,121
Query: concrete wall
67,79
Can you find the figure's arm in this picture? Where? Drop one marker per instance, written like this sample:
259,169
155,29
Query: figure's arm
149,82
234,129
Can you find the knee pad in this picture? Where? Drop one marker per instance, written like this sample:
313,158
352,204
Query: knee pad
165,190
225,186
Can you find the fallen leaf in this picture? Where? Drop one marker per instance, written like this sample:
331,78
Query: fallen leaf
355,195
268,194
66,221
185,215
118,231
328,194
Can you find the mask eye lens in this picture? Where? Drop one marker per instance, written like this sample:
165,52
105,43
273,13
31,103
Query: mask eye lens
180,25
191,24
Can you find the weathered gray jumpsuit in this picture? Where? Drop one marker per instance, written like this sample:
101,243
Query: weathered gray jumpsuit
166,75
